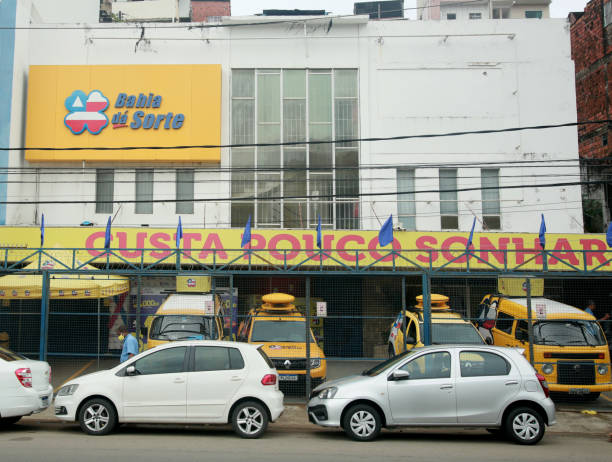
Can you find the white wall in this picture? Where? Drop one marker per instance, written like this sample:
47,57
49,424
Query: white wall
416,77
66,11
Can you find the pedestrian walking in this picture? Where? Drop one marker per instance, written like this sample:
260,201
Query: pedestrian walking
130,344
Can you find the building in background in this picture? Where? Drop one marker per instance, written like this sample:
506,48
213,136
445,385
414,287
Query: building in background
209,10
344,79
591,36
381,10
485,9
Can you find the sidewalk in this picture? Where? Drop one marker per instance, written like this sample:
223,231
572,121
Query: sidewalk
295,417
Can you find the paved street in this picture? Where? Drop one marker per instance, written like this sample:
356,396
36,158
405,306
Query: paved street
62,442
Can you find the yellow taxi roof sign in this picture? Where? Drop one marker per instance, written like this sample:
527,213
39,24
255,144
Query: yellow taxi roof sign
438,302
278,298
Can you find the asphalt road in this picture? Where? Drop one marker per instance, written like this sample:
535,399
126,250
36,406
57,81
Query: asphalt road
65,443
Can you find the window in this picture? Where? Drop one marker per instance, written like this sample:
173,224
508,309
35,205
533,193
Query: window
607,8
412,332
475,15
184,191
501,13
451,16
533,14
105,183
480,363
406,205
295,105
449,215
490,198
429,366
504,322
167,361
144,190
522,331
217,359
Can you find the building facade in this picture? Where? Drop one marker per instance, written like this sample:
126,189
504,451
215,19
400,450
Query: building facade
591,35
302,84
485,9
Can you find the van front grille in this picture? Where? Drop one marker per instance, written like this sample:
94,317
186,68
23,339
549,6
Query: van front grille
575,373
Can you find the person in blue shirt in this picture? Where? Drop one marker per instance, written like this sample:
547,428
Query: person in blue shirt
130,344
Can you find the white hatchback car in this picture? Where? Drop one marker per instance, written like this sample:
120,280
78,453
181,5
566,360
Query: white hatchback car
25,386
195,381
440,386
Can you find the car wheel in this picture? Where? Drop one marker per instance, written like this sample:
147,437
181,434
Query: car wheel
249,420
8,421
97,417
362,423
524,425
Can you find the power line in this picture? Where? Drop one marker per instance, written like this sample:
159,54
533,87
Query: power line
318,197
301,143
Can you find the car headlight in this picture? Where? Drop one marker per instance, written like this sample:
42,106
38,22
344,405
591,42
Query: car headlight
328,393
548,368
315,363
602,369
67,390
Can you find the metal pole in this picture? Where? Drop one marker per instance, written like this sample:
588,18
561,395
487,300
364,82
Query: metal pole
468,307
44,316
231,310
98,333
138,303
426,309
308,385
529,323
404,320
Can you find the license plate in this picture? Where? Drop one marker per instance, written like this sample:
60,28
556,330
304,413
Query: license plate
287,378
45,401
579,391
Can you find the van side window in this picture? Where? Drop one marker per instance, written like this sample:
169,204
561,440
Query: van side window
522,332
504,322
480,363
412,331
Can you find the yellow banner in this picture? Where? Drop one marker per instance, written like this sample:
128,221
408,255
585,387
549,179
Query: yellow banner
566,252
193,284
517,287
127,105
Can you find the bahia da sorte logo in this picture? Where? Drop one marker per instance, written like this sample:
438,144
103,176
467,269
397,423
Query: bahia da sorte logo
87,112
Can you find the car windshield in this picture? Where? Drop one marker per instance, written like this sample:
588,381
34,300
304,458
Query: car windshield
279,331
447,333
568,332
177,327
8,355
388,363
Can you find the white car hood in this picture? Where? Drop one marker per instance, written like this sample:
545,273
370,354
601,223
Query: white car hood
349,380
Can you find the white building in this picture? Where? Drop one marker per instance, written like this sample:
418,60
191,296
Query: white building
312,80
483,9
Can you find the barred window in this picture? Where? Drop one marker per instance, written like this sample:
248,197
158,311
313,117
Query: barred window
406,205
490,198
144,191
105,184
184,191
449,213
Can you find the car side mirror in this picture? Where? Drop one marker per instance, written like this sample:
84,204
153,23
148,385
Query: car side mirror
399,375
410,340
130,371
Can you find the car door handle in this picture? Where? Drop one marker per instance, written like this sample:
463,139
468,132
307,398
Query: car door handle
179,380
512,382
446,387
236,378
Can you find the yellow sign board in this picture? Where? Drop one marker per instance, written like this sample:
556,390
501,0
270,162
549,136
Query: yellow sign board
517,287
124,106
193,284
348,248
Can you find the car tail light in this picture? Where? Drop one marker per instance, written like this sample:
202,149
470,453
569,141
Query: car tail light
543,384
269,379
548,355
24,375
50,374
601,356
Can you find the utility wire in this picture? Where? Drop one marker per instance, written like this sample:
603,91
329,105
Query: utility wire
313,197
301,143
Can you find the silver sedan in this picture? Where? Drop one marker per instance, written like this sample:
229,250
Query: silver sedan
440,386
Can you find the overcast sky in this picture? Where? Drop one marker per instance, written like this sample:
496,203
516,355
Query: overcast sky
558,8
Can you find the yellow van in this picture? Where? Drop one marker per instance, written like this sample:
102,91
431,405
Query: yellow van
447,327
280,327
184,317
570,349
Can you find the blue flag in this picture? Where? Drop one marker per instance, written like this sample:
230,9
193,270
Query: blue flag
543,233
107,235
179,233
42,230
246,236
385,235
319,233
609,235
469,242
